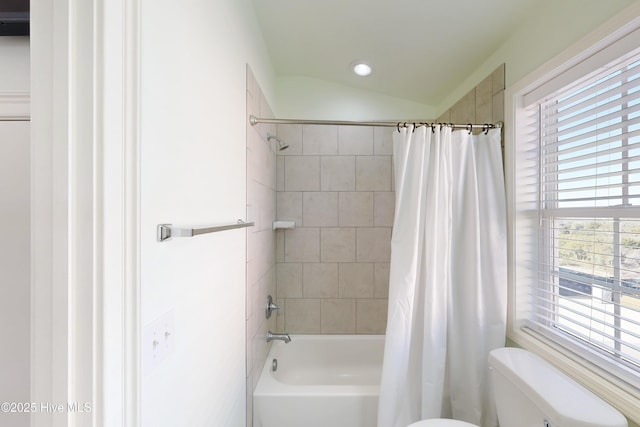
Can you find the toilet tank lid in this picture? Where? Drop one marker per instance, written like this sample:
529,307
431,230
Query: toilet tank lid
565,402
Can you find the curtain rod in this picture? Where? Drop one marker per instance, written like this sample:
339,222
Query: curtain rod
396,124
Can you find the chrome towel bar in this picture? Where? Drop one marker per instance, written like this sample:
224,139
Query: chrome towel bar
167,231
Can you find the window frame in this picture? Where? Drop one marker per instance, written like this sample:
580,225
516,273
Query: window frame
619,33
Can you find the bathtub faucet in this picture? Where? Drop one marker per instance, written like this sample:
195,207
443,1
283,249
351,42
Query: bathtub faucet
283,337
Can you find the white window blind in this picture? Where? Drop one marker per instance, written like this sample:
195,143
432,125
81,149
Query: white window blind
588,280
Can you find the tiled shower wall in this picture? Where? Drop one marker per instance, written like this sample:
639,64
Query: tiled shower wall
336,183
261,245
482,104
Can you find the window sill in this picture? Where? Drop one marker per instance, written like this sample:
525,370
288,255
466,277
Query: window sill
600,382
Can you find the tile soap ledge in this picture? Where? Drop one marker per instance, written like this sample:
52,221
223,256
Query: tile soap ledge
278,225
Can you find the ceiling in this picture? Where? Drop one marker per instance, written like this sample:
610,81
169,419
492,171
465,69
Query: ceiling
419,49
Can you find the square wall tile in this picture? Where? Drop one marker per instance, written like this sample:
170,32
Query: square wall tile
279,315
256,345
265,129
384,208
464,111
355,140
373,244
259,347
265,111
381,280
289,279
338,316
382,141
302,316
356,280
251,83
302,245
291,135
253,106
270,287
320,280
252,328
484,101
258,296
355,209
320,209
249,397
261,246
373,173
445,117
266,208
302,173
393,176
371,316
498,77
338,173
259,159
320,140
280,174
289,206
338,244
498,107
280,246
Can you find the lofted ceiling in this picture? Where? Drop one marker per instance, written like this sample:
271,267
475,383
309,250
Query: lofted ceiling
419,49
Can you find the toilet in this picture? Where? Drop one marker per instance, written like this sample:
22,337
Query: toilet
531,392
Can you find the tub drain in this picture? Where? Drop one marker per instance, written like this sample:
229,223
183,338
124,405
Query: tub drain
274,365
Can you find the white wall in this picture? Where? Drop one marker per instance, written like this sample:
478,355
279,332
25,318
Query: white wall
14,57
308,98
14,215
193,173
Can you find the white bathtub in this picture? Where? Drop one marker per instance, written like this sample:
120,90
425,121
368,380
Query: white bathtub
321,381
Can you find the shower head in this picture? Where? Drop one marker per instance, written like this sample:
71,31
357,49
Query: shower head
281,145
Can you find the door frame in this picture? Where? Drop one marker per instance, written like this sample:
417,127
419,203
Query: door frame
85,212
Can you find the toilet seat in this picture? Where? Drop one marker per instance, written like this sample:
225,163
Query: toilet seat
441,422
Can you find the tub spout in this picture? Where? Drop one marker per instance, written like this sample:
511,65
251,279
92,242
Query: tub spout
283,337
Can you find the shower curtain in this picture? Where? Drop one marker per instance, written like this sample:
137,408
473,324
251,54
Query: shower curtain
448,284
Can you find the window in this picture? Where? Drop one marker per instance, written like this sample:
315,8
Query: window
578,207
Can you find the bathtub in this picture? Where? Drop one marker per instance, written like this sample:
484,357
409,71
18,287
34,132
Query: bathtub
320,381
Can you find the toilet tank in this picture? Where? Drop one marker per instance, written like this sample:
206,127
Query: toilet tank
529,392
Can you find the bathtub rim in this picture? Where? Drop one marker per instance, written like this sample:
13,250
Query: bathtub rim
268,385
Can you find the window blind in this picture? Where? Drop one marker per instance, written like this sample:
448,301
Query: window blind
588,272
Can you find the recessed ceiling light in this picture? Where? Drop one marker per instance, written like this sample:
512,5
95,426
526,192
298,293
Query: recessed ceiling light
362,69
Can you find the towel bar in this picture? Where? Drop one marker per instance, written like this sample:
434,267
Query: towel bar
167,231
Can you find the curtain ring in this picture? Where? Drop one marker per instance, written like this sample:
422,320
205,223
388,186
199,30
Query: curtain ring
469,128
433,128
414,128
398,127
485,127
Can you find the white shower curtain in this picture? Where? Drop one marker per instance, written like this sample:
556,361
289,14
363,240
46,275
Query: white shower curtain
447,290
